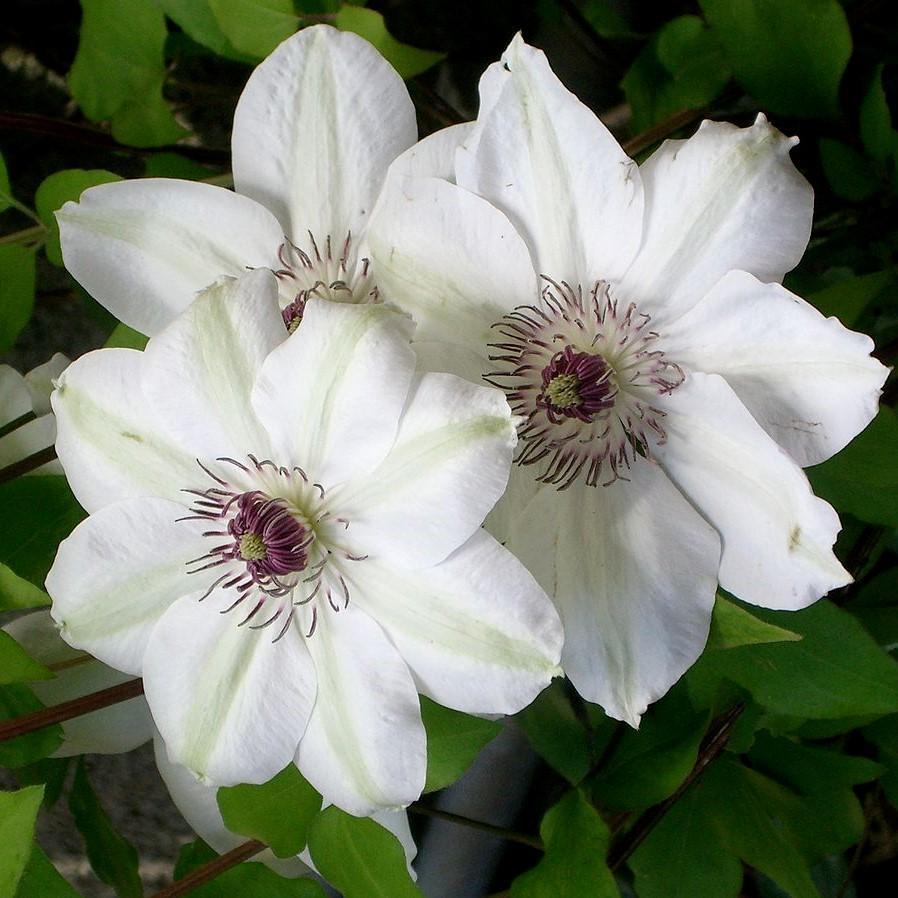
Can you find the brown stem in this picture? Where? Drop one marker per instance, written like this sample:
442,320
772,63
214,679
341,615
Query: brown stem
209,871
29,463
712,746
72,132
16,423
658,132
37,720
509,835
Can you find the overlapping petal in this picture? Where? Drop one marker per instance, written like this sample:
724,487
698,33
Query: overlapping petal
331,395
448,467
230,703
144,248
810,382
317,126
450,259
198,374
109,439
777,536
365,747
725,198
544,158
476,630
633,571
116,575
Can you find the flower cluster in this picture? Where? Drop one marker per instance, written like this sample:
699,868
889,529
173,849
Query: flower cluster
508,322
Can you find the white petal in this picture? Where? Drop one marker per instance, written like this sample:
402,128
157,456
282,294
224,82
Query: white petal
477,631
332,394
198,374
118,572
432,156
40,381
27,439
777,535
451,260
809,381
365,747
317,125
633,571
230,703
198,804
544,159
15,400
726,198
447,469
118,728
144,247
109,440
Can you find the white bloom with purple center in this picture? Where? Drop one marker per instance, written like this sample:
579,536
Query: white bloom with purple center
671,388
284,541
316,127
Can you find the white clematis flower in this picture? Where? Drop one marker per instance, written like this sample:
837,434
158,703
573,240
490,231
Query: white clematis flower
315,130
284,542
127,725
671,388
26,422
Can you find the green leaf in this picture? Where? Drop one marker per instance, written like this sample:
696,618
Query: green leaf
648,764
250,879
408,61
557,735
685,856
16,291
16,665
359,858
732,625
884,735
198,21
41,879
851,175
16,700
18,814
17,594
125,337
789,56
682,67
576,840
112,857
277,813
119,70
877,133
44,512
453,742
56,190
174,165
5,187
848,298
863,478
255,27
836,670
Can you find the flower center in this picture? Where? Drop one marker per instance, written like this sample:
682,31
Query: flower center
585,375
321,271
275,543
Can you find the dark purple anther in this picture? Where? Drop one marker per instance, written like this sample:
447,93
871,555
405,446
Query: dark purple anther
576,385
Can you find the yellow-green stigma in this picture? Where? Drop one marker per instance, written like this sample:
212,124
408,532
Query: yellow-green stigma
563,391
252,547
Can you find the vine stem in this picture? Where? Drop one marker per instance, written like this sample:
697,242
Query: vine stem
34,234
94,701
29,463
711,748
208,872
509,835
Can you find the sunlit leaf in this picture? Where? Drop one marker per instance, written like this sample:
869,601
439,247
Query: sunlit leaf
453,742
41,879
18,813
277,813
198,21
16,665
16,291
359,857
16,593
733,625
255,27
